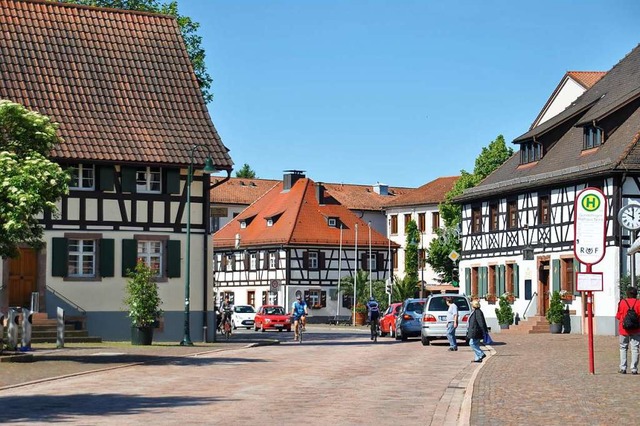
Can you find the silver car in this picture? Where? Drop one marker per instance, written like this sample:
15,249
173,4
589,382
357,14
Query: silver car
434,317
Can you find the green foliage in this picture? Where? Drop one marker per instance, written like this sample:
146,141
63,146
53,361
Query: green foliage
504,312
142,298
555,314
438,252
411,251
30,183
492,157
246,172
450,212
625,283
188,28
404,289
362,288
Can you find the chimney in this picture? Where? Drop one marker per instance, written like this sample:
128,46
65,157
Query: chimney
381,188
291,177
320,192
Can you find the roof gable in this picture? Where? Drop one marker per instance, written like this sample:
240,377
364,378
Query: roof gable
119,83
430,193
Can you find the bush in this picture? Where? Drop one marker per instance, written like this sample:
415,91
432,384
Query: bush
504,313
555,314
142,298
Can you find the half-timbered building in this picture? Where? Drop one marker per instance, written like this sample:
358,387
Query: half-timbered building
132,118
518,224
297,238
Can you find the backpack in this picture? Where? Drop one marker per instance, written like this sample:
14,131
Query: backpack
630,321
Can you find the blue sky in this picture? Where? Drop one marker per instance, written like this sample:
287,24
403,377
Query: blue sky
398,92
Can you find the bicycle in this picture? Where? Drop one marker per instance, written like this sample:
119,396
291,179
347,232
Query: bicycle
226,328
375,326
299,330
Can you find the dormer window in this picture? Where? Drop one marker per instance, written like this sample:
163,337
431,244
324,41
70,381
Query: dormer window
270,222
530,152
243,224
272,218
592,137
333,222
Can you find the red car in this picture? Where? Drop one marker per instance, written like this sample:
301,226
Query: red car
388,320
272,317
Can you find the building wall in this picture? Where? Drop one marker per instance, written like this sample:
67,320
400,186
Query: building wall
569,92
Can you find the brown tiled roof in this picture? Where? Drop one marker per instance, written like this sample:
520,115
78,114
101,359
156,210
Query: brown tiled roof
354,197
564,160
240,190
119,83
586,78
430,193
300,220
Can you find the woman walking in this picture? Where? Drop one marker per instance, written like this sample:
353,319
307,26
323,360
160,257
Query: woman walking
476,331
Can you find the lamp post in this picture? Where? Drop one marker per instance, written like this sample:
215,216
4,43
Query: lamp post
370,284
208,169
421,260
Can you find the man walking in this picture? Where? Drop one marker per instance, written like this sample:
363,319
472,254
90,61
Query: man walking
629,330
452,323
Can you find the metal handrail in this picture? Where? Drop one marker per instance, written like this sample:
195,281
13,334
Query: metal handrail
69,301
524,315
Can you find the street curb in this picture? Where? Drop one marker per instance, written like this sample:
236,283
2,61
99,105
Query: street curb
464,417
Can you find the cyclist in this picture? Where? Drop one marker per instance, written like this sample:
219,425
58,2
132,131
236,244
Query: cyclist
299,312
373,309
227,310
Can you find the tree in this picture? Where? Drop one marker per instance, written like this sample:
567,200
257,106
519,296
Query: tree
411,252
447,240
403,289
188,28
29,182
246,172
362,288
492,157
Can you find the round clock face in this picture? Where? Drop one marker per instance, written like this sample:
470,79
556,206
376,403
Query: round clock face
629,216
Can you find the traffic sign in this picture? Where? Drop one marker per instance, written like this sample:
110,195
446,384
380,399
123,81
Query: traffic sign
590,226
454,255
275,285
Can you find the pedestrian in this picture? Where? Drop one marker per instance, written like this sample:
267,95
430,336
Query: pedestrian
628,335
452,323
477,327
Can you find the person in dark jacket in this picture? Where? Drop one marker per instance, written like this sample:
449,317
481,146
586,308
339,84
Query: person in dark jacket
476,331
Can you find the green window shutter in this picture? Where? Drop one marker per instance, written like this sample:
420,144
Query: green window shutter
107,246
555,275
107,178
516,280
173,181
173,258
59,257
467,280
501,285
128,177
129,255
484,282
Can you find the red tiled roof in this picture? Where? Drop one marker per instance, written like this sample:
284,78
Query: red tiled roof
119,83
302,221
586,78
354,197
429,193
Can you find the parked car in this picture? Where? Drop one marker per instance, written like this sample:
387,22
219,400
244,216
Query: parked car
243,316
272,317
434,319
388,320
409,320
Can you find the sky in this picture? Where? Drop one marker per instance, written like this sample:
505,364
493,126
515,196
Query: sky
398,92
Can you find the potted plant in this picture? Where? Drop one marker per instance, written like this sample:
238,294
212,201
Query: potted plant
566,296
143,302
504,313
555,314
511,298
361,314
490,298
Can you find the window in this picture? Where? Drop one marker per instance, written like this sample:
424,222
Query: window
229,262
82,177
314,298
243,224
272,260
530,152
512,209
567,269
435,221
407,219
333,222
492,281
313,260
253,261
231,295
372,263
269,222
422,222
592,137
82,258
149,180
150,252
543,210
251,298
394,260
476,220
493,217
394,224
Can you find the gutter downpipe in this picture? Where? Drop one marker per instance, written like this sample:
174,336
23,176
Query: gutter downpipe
207,235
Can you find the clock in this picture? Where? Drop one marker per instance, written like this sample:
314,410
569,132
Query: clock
629,217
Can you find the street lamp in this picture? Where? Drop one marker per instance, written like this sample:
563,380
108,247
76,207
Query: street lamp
208,169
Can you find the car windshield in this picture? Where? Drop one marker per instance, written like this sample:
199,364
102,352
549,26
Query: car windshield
416,307
278,310
440,304
244,309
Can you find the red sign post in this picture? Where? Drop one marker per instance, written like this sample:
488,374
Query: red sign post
590,231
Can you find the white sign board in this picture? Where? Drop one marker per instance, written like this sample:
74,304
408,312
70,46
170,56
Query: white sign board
590,226
589,281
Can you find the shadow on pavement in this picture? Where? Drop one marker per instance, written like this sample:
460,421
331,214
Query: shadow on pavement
53,408
150,359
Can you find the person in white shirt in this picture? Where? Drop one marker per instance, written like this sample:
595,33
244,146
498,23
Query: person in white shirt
452,323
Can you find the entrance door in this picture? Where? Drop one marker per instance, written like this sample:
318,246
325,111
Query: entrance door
22,278
543,287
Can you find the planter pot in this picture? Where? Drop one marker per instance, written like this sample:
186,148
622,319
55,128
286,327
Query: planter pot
141,335
504,326
361,318
555,328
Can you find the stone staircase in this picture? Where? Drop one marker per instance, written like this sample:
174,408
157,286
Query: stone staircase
532,325
44,330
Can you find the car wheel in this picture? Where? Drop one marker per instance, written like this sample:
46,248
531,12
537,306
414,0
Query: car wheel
262,328
398,335
248,328
279,330
392,332
233,324
425,340
255,327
